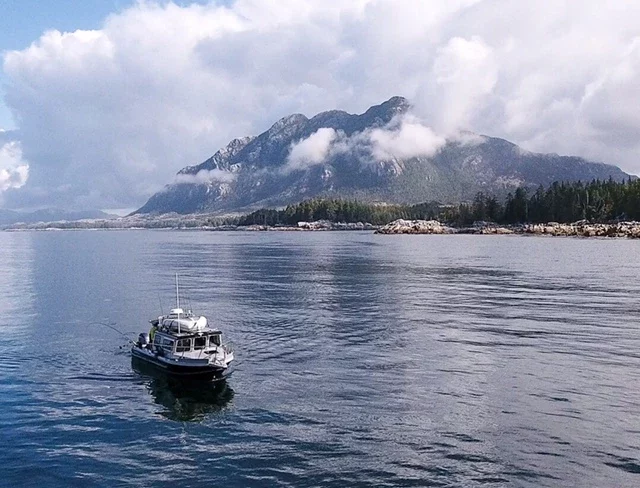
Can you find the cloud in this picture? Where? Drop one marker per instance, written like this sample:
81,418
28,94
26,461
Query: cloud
14,171
409,139
404,137
605,108
106,117
310,151
463,77
204,177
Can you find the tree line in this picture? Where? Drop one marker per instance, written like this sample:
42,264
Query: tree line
337,210
596,201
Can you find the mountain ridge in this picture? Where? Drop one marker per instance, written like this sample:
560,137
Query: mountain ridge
342,162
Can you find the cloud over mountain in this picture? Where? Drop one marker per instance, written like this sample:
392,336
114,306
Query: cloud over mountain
403,137
312,150
384,154
204,176
106,117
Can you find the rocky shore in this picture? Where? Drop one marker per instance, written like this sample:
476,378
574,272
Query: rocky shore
585,229
183,222
401,226
204,222
305,226
576,229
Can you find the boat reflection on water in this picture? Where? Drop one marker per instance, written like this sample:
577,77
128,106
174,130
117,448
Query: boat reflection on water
184,400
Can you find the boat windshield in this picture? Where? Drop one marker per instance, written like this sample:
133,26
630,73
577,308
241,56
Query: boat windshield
215,340
167,344
184,345
199,343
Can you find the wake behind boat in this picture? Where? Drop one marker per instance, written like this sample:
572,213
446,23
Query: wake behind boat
183,344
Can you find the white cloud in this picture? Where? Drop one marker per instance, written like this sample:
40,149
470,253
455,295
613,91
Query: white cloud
403,138
605,108
311,151
408,139
206,176
111,115
14,172
463,77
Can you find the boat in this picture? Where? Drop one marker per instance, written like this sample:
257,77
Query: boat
184,345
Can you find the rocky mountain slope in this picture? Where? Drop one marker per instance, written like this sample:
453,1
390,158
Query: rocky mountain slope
368,156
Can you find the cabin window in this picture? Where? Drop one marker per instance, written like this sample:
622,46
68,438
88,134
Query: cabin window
167,344
200,343
184,345
215,340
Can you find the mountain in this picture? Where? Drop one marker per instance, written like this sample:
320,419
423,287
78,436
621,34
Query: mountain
346,161
8,217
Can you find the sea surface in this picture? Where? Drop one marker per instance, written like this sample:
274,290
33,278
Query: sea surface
362,360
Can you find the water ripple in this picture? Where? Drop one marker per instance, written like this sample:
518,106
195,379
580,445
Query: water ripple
442,361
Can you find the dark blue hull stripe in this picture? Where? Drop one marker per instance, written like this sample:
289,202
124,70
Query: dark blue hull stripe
178,369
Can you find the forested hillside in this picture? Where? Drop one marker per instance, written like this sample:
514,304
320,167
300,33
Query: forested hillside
597,201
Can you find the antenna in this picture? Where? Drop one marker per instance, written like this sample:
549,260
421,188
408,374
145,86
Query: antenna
177,294
178,302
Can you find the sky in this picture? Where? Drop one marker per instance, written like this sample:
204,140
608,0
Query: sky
23,22
102,102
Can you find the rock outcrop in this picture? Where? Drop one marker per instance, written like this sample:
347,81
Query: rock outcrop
401,226
576,229
585,229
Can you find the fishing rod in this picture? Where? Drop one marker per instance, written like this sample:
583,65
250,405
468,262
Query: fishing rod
113,328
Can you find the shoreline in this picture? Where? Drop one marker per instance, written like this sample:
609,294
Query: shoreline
629,230
415,227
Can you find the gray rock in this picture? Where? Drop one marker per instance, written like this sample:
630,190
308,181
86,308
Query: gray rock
401,226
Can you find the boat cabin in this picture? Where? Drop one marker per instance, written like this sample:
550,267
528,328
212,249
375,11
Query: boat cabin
186,343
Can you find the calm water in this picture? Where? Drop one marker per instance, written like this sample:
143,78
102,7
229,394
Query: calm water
363,360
